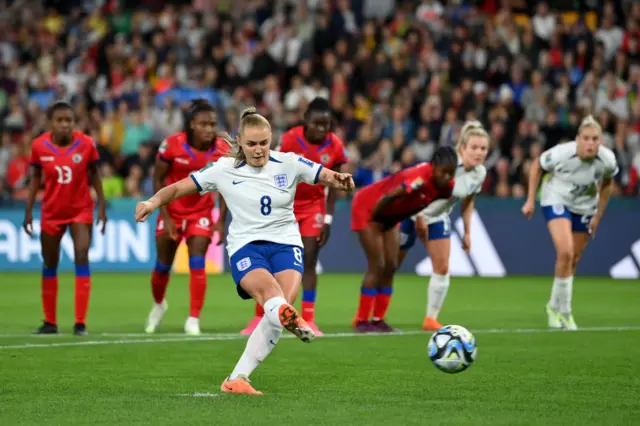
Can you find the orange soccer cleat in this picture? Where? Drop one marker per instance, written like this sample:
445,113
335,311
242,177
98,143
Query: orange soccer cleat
431,324
292,321
239,385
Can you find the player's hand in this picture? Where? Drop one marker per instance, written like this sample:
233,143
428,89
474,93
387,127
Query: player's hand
593,225
170,227
27,224
528,209
344,182
466,243
143,210
324,235
218,228
102,219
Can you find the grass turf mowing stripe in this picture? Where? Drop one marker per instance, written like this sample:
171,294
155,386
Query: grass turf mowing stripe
235,336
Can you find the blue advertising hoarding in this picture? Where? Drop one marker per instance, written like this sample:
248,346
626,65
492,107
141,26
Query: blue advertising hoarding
503,243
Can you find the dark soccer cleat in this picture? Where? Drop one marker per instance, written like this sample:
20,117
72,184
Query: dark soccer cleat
381,326
47,328
364,327
80,329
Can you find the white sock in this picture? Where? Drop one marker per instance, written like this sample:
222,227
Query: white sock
272,310
260,344
561,294
437,292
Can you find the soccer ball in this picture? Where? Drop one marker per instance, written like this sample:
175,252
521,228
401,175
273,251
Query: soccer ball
452,349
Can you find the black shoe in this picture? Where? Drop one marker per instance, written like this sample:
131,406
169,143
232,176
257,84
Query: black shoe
47,328
80,329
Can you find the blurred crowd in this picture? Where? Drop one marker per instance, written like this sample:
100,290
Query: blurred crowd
401,77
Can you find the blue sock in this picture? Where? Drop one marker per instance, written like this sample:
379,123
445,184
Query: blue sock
196,262
162,268
369,291
83,271
386,290
309,296
49,272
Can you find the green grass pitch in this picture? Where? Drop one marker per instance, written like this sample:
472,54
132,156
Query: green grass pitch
523,375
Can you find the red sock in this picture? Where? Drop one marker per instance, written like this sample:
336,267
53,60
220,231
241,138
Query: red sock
309,311
197,291
382,303
160,281
83,290
367,298
49,295
259,310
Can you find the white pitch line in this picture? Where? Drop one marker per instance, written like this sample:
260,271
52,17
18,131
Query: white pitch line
218,337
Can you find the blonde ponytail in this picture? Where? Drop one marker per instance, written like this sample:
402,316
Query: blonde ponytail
248,118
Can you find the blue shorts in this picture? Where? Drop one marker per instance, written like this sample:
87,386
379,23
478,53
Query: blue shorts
579,223
273,257
437,231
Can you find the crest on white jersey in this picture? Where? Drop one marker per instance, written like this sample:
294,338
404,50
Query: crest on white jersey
243,264
77,158
597,175
281,180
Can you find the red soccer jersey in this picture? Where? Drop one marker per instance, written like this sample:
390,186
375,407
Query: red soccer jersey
183,159
331,153
419,184
66,175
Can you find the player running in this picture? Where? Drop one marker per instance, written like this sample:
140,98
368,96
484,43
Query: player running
376,210
264,243
433,225
66,160
189,217
573,200
313,213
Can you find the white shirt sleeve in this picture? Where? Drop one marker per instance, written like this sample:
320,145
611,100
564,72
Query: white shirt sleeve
553,156
206,179
306,170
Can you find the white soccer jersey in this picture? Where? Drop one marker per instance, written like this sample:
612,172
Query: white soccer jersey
467,183
260,199
572,182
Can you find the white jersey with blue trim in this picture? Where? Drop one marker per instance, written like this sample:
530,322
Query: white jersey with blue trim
260,199
572,182
467,183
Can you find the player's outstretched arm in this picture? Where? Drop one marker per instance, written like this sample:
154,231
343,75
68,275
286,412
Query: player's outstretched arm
341,181
36,181
163,197
534,181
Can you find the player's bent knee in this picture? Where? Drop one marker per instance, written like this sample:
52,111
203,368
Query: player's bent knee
565,256
441,268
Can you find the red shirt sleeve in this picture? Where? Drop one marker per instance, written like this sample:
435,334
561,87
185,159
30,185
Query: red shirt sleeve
342,157
165,153
35,156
